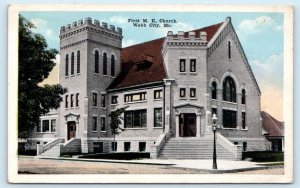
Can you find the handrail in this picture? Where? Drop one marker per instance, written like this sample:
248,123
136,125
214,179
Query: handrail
158,144
42,148
233,149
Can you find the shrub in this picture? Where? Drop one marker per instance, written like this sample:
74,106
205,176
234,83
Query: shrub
264,156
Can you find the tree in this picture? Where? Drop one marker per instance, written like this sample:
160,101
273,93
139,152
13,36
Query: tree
35,64
116,121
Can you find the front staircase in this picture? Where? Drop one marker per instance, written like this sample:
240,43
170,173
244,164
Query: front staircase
57,148
52,152
194,148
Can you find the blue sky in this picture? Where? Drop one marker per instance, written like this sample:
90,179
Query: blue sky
261,35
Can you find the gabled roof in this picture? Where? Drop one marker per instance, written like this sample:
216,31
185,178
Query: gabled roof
133,56
272,125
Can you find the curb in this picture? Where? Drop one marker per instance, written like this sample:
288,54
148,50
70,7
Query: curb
107,161
171,165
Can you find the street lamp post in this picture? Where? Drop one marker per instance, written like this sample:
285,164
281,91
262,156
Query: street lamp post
214,128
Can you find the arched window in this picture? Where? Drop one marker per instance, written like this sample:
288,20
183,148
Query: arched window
72,63
229,50
67,66
104,64
229,90
243,96
214,90
78,62
112,66
97,61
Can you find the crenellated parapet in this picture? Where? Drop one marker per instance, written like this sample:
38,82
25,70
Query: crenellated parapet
187,38
90,25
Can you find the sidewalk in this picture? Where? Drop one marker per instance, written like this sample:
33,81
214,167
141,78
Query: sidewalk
224,166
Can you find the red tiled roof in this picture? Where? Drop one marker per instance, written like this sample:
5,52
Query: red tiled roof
272,125
131,58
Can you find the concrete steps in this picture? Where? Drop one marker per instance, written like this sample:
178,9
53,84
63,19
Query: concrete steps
193,149
52,152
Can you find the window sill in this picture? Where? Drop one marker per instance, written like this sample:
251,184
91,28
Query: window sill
193,98
105,75
138,128
45,132
95,131
103,107
214,100
96,74
157,127
72,75
193,73
159,99
229,128
113,76
182,98
95,107
114,104
78,73
246,129
229,102
103,131
132,102
66,76
183,73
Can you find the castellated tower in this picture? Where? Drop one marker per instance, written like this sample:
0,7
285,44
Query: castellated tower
89,62
184,56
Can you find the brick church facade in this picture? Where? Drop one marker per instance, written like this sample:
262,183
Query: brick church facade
171,86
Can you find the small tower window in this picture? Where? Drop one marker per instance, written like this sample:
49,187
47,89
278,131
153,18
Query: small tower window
214,90
193,65
72,63
77,99
182,65
243,96
66,101
243,120
97,61
78,62
229,50
67,66
112,71
104,64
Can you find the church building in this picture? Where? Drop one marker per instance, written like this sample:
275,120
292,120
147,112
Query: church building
170,86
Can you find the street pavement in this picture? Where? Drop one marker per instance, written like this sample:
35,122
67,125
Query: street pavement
224,166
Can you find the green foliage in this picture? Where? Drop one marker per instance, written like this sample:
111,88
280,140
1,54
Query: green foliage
35,64
264,156
116,120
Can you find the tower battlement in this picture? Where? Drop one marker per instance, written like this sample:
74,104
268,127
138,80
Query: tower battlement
185,38
88,22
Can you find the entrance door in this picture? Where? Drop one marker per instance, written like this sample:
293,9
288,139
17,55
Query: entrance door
71,130
187,125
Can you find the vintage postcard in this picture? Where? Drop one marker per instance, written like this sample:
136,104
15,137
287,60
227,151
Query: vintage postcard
150,94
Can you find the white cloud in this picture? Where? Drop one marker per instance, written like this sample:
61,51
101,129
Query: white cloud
258,25
38,22
269,74
118,19
128,42
270,71
49,33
